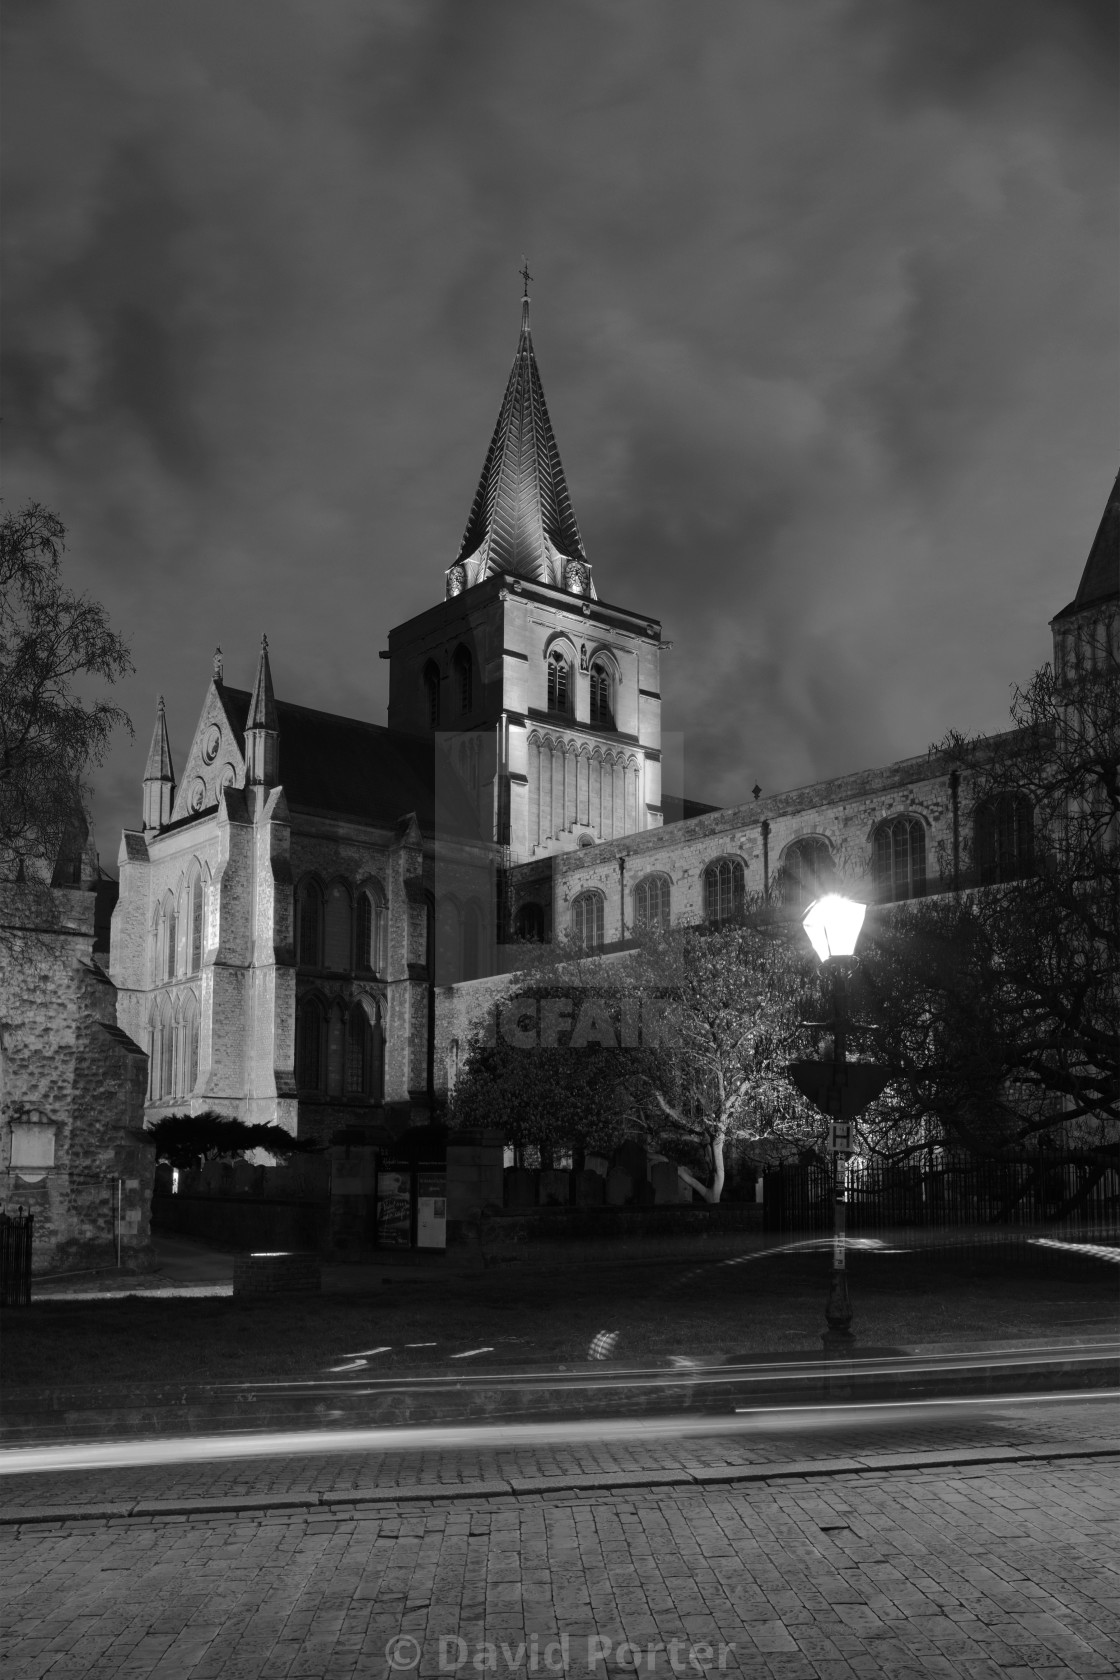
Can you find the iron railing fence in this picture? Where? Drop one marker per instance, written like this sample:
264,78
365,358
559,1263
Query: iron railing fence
950,1192
15,1258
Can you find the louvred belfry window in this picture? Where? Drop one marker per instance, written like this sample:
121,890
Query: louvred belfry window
602,698
558,683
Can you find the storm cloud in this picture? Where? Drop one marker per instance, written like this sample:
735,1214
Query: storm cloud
824,307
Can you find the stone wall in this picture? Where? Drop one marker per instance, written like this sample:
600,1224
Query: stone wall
72,1086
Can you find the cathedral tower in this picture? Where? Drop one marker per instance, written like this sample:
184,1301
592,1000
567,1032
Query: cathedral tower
547,698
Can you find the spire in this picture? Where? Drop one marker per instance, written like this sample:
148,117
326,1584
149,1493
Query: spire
262,738
521,523
262,706
159,777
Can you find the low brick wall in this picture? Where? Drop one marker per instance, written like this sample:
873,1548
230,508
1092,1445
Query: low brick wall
274,1274
241,1222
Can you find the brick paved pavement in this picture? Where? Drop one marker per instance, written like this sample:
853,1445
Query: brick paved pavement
1031,1425
1006,1572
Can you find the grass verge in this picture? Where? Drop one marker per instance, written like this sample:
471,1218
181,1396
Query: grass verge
519,1315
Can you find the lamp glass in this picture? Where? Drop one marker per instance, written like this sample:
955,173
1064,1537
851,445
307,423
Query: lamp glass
833,925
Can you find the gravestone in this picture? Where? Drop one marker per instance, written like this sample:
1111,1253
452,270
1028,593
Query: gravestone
520,1187
555,1187
620,1187
665,1182
588,1187
631,1156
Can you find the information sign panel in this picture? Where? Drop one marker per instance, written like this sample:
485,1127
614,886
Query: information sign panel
394,1210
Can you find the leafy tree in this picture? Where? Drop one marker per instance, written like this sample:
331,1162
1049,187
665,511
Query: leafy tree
50,639
185,1140
997,1007
683,1041
733,1000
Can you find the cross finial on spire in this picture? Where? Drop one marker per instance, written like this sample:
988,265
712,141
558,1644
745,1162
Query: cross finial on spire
217,664
525,276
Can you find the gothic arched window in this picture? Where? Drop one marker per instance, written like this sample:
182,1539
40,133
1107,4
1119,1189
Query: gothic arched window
371,929
1003,838
464,679
724,889
587,920
359,1052
170,938
166,1051
431,690
559,683
602,697
309,1045
898,859
449,943
188,1053
651,902
806,873
194,935
336,1049
309,924
337,921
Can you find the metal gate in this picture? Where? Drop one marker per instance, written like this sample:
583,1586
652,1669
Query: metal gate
15,1259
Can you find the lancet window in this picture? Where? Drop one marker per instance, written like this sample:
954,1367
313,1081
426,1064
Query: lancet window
602,697
559,683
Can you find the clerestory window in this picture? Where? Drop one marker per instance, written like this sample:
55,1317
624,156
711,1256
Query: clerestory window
587,920
724,889
1003,838
898,859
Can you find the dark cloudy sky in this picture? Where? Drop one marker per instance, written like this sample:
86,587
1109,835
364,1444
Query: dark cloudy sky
825,310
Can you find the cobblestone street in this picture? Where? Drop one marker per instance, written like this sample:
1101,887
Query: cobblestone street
950,1570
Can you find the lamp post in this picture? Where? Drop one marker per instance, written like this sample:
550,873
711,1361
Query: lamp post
833,924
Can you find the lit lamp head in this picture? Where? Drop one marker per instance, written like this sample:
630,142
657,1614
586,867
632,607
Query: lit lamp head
833,925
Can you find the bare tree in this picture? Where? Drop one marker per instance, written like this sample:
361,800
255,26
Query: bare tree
50,640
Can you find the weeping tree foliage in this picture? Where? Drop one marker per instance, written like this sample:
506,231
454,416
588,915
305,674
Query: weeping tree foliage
186,1140
682,1042
51,640
997,1007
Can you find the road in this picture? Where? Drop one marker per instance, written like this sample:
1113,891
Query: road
755,1552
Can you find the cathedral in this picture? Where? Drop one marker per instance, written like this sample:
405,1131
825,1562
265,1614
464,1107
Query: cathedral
311,915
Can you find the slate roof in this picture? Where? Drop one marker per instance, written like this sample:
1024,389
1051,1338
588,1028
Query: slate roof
1101,578
521,522
337,766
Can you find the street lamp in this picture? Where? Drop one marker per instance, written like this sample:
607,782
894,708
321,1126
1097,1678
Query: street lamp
832,924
